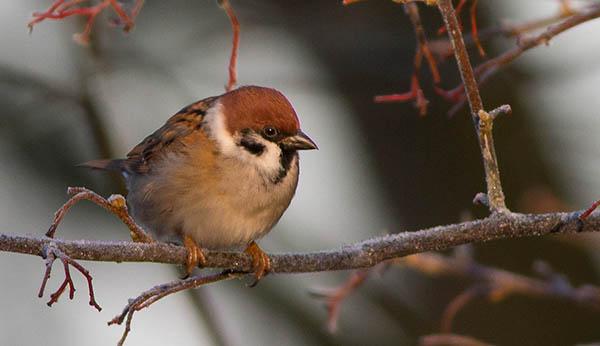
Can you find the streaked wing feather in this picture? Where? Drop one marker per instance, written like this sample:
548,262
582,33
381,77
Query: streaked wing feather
172,132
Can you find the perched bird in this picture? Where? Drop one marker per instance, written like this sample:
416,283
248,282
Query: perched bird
218,175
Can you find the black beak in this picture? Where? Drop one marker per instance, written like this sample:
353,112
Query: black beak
300,141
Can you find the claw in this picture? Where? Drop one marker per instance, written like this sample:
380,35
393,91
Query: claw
261,263
195,256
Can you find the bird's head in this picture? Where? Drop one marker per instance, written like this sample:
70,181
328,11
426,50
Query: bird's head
258,125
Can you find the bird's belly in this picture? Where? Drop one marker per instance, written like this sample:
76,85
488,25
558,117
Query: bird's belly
229,218
220,206
219,226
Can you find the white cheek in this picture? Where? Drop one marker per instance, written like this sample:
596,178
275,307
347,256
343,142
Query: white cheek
215,122
267,164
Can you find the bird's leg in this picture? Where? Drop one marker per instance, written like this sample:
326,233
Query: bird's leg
261,263
195,256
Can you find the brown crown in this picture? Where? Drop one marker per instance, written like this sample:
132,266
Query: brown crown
256,107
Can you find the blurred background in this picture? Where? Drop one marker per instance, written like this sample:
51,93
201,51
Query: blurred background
381,168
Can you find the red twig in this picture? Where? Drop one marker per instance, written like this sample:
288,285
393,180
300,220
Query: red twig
490,67
455,95
495,284
349,2
490,283
61,9
458,303
474,31
235,27
442,48
458,10
415,93
50,254
422,51
589,210
473,17
412,10
127,20
334,298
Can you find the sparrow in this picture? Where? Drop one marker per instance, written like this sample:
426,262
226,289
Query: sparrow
218,175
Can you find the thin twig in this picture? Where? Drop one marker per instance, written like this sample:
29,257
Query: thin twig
442,48
335,297
504,109
458,303
412,10
474,30
422,51
589,210
483,124
115,204
51,253
496,284
61,9
525,44
484,71
235,27
488,282
520,29
156,293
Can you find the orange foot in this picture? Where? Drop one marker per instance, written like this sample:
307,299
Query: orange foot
261,263
195,256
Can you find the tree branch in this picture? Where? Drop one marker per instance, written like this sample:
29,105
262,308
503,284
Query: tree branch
483,128
487,69
358,255
496,284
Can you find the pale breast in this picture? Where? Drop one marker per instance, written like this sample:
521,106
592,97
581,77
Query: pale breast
221,204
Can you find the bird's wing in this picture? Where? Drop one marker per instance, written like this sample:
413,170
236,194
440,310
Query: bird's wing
183,123
139,159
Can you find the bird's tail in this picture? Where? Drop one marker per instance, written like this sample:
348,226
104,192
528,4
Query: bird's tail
105,165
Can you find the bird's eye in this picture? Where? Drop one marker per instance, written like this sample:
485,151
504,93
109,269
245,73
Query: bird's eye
270,132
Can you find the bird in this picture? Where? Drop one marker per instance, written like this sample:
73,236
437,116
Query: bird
219,174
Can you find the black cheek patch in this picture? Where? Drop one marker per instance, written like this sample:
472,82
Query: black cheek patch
252,146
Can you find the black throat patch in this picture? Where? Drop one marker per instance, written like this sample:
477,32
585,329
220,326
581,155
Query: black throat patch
286,159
